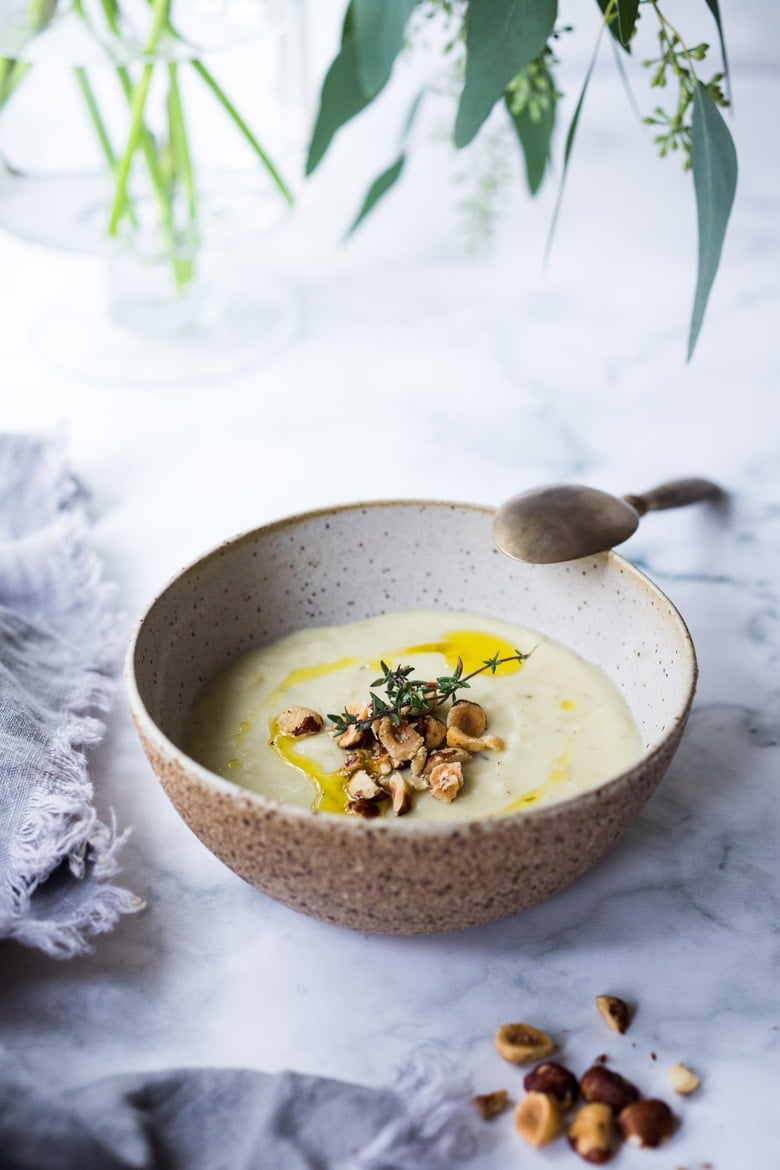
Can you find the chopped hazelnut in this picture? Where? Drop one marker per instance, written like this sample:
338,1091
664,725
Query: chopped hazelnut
468,717
399,791
538,1118
400,741
299,721
522,1043
354,736
363,786
591,1133
472,743
683,1080
419,760
380,760
364,808
555,1080
489,1105
446,755
433,731
615,1011
603,1085
445,781
646,1123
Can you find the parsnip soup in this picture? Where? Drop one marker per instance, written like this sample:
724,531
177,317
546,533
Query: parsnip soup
349,719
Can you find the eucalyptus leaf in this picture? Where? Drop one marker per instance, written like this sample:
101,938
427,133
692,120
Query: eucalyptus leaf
379,36
502,37
714,7
714,162
342,98
613,24
570,136
627,15
535,136
379,188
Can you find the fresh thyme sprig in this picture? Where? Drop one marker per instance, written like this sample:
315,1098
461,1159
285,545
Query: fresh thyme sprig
406,698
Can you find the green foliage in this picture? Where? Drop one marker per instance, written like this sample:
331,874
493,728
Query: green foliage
627,16
502,38
506,48
714,162
531,99
380,186
379,35
342,98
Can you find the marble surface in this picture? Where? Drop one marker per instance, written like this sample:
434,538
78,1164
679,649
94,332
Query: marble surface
420,370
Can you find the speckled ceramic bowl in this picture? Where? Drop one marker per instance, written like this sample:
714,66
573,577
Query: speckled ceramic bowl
392,875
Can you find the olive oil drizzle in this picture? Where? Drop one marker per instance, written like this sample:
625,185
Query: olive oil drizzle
472,646
560,771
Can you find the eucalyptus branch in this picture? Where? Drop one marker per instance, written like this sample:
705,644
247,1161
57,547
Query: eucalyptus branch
678,60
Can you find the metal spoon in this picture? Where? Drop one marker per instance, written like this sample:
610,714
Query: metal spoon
565,521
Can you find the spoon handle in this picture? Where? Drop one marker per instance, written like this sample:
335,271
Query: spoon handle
676,494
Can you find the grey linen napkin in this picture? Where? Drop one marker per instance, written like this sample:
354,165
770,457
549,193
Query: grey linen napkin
60,648
237,1119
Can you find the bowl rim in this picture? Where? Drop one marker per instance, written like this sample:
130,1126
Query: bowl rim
212,782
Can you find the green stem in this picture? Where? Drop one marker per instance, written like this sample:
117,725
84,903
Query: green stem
667,24
138,136
137,104
11,74
180,149
100,129
241,125
111,13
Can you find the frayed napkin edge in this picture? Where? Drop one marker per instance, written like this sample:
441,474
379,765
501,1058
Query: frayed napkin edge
67,828
440,1125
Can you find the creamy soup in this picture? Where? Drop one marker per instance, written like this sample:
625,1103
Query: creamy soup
565,726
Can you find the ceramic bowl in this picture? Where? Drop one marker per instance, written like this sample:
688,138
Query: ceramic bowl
337,565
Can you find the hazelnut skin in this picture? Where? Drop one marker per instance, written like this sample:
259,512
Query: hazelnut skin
601,1084
592,1135
646,1123
553,1079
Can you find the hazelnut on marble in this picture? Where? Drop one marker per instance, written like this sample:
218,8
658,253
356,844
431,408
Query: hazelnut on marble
683,1080
555,1080
538,1118
522,1043
490,1105
646,1123
615,1011
603,1085
592,1134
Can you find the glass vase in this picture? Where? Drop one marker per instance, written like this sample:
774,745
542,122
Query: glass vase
147,156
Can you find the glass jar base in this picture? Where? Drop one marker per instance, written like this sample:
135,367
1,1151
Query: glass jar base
79,338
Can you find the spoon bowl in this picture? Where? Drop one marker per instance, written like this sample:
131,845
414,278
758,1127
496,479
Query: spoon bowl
563,522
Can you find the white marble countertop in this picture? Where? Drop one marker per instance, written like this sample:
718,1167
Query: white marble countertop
420,371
